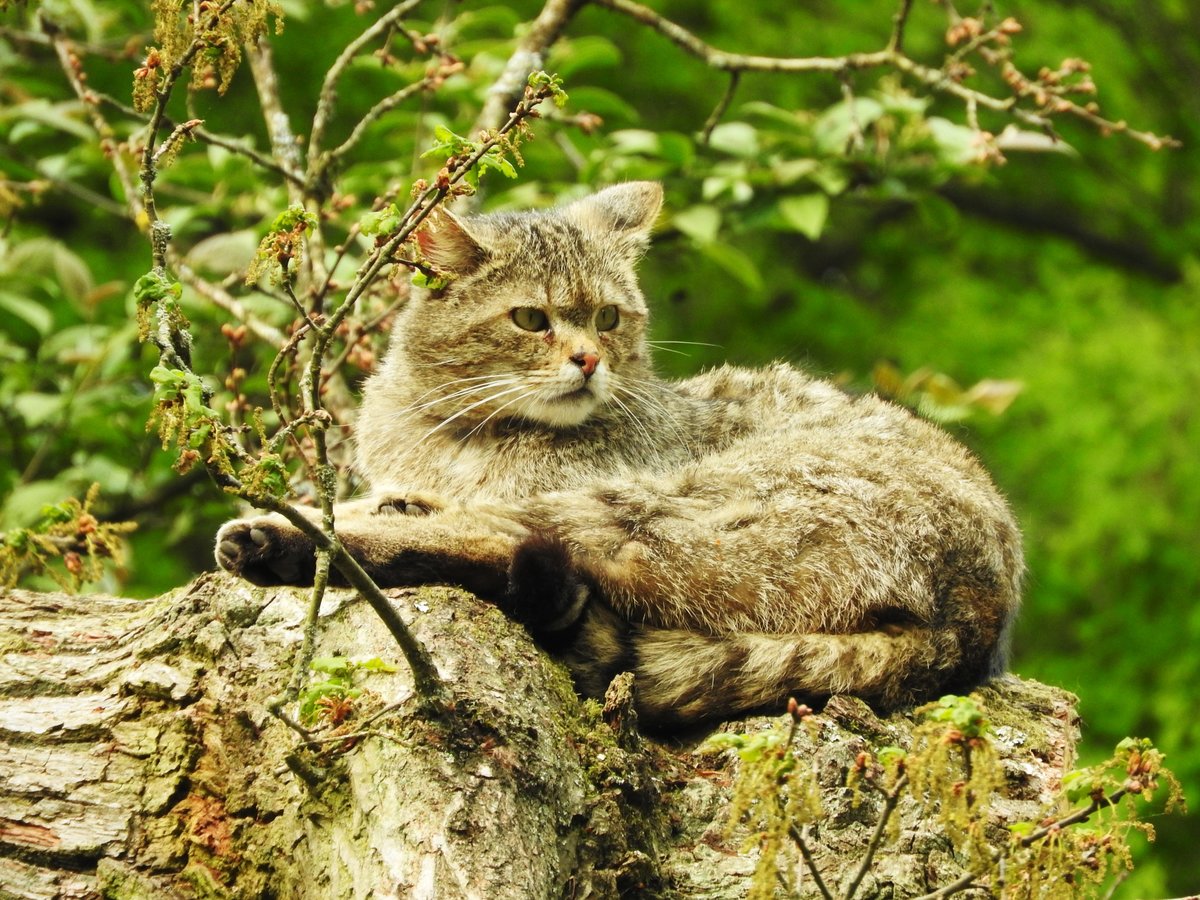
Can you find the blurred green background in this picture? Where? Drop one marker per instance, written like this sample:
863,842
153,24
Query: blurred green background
1072,270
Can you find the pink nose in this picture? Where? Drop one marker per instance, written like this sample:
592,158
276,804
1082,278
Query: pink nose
586,361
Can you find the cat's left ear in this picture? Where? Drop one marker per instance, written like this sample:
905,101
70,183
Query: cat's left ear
629,208
448,243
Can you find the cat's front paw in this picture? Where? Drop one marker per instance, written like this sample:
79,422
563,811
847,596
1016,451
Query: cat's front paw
265,551
409,503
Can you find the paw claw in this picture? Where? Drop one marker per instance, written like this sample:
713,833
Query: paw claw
410,505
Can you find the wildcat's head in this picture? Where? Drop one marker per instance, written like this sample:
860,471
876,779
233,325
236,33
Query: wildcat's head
542,320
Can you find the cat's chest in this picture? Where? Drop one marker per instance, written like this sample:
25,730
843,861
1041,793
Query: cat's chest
509,467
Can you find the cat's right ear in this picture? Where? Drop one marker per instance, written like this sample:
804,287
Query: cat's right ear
449,245
629,209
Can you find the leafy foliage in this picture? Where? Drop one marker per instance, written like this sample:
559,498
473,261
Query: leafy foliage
951,774
66,532
332,690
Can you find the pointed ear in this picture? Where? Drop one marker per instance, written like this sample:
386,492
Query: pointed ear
630,208
449,245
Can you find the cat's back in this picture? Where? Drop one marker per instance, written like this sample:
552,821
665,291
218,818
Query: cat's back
780,407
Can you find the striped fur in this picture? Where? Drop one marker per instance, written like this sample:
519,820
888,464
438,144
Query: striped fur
733,538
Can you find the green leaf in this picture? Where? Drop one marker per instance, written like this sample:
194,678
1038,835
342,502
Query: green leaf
773,114
551,82
223,254
603,103
789,171
331,665
737,264
155,286
375,664
805,213
701,223
381,221
676,148
836,126
53,258
588,52
36,408
956,144
65,116
635,140
735,138
28,311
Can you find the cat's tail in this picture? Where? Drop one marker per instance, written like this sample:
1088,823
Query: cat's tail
685,677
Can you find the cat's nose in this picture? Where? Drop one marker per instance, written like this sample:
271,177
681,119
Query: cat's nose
587,362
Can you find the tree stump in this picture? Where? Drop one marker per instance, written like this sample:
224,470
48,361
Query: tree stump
139,759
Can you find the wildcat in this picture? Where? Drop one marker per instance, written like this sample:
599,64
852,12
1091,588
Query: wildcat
733,538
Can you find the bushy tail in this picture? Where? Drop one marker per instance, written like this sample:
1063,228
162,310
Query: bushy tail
685,677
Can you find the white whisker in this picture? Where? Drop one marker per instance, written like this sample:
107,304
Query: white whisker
462,412
500,409
490,381
635,419
666,349
669,418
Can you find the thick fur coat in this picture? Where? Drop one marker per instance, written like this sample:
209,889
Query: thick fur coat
732,538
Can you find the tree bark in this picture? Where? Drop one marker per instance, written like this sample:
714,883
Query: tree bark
138,759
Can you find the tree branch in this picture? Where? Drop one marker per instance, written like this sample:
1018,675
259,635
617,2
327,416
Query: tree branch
892,56
528,57
810,862
890,799
284,148
328,97
208,137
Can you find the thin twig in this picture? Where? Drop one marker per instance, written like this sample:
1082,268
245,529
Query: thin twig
353,736
108,141
1117,882
275,707
384,106
327,100
221,298
801,842
899,22
890,799
233,145
527,58
722,106
308,643
1080,815
964,882
728,62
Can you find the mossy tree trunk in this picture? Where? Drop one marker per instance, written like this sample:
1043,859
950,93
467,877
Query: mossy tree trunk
138,758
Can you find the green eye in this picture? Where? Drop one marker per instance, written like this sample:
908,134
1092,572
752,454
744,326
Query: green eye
530,318
607,318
